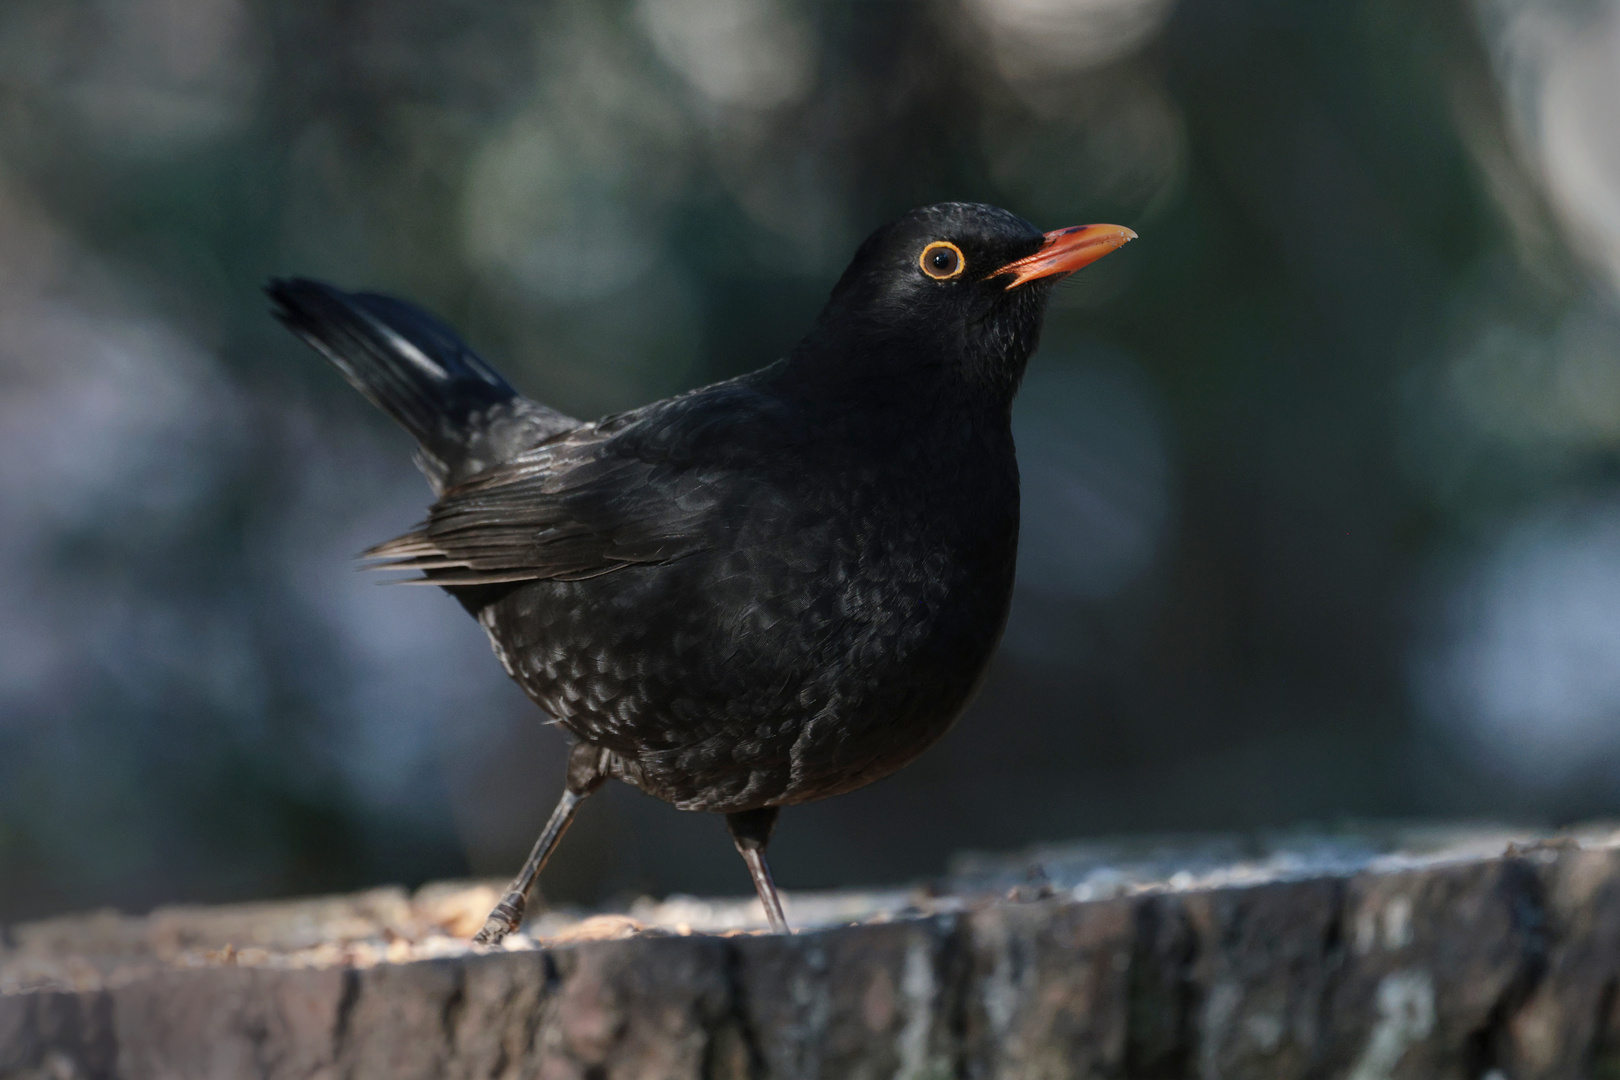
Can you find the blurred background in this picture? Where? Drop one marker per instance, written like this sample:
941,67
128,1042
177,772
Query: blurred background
1322,475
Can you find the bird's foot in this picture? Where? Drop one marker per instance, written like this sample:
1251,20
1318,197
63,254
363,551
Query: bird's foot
507,917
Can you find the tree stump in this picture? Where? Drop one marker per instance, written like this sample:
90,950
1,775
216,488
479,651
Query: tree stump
1451,953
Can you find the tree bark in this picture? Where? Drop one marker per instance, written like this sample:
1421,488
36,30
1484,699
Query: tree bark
1460,955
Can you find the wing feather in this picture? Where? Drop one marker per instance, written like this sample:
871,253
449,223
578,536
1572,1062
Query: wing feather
644,488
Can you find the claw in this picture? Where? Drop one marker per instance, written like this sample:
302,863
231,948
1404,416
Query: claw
507,917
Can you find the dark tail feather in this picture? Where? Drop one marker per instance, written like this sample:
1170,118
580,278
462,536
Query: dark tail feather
405,361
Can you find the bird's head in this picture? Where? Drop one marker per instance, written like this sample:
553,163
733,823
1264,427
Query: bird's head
960,287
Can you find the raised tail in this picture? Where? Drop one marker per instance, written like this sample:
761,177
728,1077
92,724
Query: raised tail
463,414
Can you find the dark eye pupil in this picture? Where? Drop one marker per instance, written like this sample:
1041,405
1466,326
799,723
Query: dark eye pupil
943,259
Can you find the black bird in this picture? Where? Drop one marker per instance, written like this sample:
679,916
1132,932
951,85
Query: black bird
767,591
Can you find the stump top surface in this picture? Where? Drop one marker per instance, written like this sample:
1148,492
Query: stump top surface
392,925
1434,953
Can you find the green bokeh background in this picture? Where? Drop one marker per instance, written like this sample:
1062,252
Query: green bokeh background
1320,473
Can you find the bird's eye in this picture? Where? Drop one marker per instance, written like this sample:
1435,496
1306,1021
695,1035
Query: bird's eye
942,260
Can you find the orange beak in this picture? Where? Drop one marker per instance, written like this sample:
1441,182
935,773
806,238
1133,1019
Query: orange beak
1065,251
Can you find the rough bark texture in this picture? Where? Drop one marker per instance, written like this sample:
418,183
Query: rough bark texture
1467,955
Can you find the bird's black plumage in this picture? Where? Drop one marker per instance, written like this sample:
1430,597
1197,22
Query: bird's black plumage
763,592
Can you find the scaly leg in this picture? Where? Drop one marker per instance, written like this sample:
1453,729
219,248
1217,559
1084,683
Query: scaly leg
751,831
586,772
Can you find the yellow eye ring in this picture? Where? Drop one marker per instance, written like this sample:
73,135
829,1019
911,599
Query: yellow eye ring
942,260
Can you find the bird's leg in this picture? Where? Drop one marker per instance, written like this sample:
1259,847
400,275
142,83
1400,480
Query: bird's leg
751,831
587,769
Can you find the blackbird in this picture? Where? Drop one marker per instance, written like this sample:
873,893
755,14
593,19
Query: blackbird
763,592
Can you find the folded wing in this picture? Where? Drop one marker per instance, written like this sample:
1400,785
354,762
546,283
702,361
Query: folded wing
645,488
